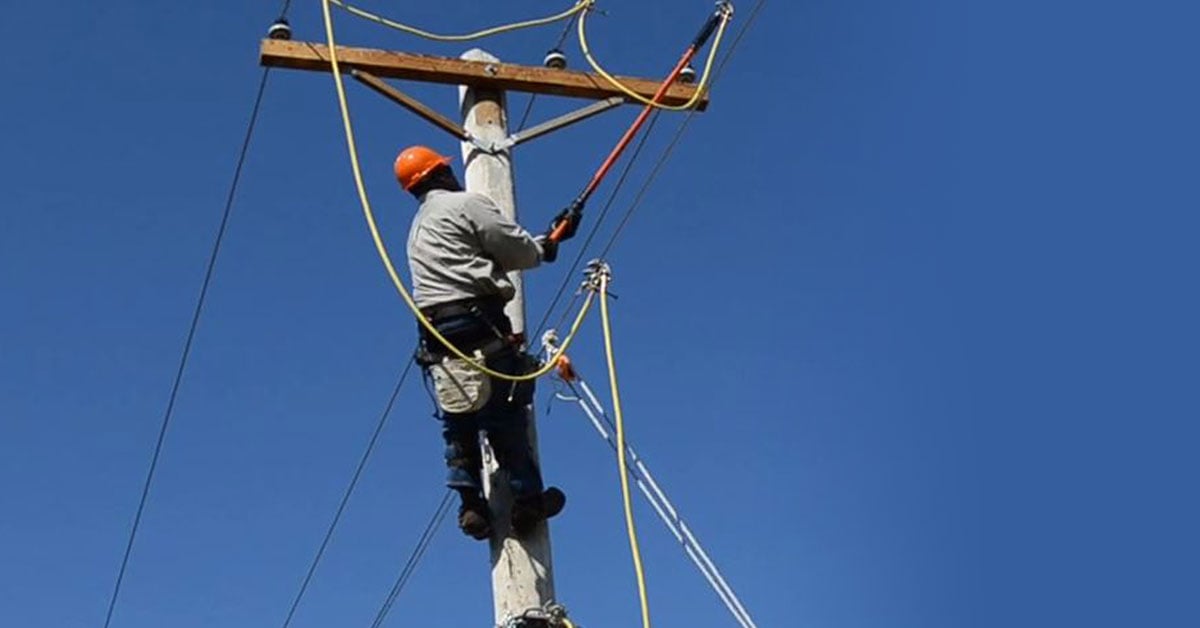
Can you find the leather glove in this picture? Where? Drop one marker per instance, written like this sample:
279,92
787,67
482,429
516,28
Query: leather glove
549,248
568,221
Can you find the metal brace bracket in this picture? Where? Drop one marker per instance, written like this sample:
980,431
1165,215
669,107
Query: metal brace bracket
562,121
422,110
428,114
551,616
554,124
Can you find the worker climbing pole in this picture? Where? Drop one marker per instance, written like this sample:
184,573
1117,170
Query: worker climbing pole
465,253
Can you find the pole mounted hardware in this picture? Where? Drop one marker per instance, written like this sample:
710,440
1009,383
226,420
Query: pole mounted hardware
555,59
412,104
552,615
596,271
280,30
302,55
428,114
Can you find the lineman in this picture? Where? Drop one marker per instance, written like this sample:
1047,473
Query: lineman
460,249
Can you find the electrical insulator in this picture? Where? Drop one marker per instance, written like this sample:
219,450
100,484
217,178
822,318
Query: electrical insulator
555,59
687,75
280,30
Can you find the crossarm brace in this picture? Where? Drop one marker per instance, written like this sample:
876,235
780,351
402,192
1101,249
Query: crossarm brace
564,120
427,113
412,104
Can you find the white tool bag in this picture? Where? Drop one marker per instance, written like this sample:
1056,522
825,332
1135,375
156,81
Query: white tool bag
460,387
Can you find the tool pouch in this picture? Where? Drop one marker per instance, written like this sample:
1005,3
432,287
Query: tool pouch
460,387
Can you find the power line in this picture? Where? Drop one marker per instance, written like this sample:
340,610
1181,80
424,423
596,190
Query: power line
663,158
596,225
666,154
533,97
187,345
410,566
337,517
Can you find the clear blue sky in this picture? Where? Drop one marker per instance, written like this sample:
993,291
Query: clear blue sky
858,254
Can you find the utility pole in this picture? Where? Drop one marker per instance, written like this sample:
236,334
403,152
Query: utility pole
522,570
522,573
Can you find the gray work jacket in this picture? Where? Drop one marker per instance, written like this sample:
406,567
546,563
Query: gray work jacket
460,246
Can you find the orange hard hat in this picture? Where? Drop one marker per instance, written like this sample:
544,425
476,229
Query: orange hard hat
415,163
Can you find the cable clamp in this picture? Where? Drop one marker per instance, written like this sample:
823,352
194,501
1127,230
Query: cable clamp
591,6
552,615
550,344
491,148
596,271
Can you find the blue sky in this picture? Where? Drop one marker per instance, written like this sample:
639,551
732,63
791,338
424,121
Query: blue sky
827,288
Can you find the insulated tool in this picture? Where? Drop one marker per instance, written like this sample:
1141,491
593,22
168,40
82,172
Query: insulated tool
567,220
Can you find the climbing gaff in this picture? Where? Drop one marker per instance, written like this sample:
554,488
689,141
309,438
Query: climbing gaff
574,210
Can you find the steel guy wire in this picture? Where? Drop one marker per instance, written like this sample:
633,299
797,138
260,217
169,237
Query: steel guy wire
187,344
533,97
337,517
666,154
612,197
410,566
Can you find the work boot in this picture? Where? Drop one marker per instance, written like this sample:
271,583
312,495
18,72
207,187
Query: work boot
473,518
529,511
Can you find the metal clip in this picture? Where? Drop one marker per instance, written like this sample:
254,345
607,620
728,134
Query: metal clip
596,271
553,615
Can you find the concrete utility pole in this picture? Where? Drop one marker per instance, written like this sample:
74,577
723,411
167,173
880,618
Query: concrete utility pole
522,573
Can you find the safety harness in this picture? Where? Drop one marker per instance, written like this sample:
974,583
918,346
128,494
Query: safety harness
459,386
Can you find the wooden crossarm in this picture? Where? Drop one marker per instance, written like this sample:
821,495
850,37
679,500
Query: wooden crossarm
299,55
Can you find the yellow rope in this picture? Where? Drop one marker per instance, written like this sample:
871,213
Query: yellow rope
487,32
700,88
624,470
382,248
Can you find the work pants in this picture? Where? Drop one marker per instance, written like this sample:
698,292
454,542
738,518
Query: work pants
503,418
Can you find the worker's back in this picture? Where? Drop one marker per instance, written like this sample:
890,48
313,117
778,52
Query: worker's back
460,246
